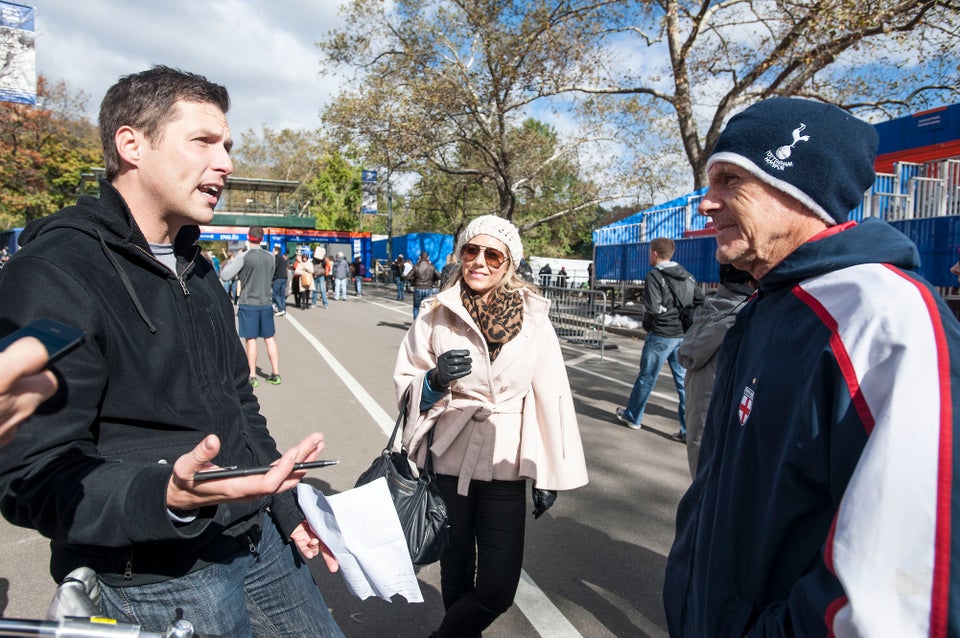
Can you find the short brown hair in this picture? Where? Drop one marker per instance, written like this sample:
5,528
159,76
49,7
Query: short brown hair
663,247
146,101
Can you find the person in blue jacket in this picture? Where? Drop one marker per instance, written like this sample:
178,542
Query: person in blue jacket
824,503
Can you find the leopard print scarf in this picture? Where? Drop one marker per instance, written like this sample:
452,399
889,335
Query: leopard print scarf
499,319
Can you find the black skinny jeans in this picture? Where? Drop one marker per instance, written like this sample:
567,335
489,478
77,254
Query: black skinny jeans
480,570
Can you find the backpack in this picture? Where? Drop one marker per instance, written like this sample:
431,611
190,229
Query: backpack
686,311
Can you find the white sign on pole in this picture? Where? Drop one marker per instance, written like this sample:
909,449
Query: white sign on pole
18,60
368,192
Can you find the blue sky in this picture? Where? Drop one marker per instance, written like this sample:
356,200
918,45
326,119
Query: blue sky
263,52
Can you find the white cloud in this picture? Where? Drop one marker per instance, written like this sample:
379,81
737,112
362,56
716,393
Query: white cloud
264,53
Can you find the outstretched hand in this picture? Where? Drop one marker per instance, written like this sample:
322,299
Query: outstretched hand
185,494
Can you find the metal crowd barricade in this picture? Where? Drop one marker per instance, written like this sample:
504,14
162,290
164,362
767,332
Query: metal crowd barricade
577,315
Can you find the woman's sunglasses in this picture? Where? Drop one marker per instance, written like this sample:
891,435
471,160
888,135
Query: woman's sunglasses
493,257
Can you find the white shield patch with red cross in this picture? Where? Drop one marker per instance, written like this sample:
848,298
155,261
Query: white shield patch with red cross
746,404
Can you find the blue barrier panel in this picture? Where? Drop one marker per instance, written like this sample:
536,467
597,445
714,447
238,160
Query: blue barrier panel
937,239
437,245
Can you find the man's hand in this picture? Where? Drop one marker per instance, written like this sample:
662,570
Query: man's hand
310,545
183,494
23,384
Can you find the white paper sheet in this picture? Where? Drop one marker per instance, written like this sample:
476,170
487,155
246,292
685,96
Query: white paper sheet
361,528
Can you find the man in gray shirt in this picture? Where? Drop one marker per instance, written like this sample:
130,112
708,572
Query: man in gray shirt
254,268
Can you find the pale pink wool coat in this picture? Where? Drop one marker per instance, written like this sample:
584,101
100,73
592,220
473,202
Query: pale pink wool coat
507,420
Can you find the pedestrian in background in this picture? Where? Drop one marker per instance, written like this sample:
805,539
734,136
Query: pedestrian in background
341,270
359,271
661,319
545,276
449,268
398,276
304,273
319,262
825,502
254,268
700,347
481,369
281,270
423,277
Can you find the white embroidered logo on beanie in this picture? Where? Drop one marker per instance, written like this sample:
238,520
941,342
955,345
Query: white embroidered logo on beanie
777,160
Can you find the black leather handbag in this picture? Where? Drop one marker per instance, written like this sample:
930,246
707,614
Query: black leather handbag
420,505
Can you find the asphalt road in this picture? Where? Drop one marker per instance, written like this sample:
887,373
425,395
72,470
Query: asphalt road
594,563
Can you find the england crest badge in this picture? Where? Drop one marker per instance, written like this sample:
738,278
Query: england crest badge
746,405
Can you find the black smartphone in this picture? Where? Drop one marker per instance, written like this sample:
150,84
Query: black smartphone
232,471
57,338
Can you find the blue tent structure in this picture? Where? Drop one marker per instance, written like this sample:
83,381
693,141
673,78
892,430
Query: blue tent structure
437,246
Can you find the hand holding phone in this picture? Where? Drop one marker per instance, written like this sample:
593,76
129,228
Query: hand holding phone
24,384
56,337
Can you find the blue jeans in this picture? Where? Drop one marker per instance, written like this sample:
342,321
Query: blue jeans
280,294
231,288
339,288
656,350
266,593
320,288
419,294
400,287
358,284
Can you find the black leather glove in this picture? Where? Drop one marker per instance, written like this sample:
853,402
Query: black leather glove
452,364
542,500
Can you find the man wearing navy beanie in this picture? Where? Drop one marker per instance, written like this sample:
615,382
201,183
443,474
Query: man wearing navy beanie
824,497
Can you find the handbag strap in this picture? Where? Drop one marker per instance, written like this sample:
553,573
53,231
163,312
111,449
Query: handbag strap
401,420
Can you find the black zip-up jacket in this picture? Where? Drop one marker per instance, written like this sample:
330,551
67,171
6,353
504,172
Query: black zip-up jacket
661,310
161,367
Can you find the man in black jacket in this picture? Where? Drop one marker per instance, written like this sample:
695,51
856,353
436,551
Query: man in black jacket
158,391
661,319
424,278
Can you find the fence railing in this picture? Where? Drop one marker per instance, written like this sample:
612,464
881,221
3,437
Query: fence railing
577,314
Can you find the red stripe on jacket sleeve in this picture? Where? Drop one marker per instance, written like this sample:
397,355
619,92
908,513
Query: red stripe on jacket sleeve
940,597
842,356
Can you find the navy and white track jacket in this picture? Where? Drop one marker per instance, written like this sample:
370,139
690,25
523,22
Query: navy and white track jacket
825,499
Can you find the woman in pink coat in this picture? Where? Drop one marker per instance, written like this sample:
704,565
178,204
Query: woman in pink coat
486,375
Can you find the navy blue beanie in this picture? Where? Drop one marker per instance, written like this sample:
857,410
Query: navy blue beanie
817,153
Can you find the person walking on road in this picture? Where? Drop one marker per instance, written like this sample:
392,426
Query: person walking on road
341,270
661,319
359,271
398,276
424,278
826,499
319,262
281,271
482,372
304,272
158,391
255,269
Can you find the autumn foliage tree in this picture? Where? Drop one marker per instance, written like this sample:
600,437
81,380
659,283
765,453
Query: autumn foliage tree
43,151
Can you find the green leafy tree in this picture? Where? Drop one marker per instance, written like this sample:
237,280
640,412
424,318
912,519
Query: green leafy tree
442,87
